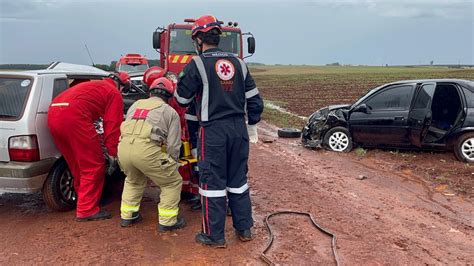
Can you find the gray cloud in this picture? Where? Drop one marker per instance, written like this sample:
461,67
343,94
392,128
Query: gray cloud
404,8
287,31
26,10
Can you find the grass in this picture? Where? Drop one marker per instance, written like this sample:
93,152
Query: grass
282,119
360,152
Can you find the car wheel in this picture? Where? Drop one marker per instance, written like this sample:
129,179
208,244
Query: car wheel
338,139
464,149
289,133
58,189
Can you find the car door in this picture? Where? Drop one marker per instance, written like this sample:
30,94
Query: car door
53,85
419,119
385,122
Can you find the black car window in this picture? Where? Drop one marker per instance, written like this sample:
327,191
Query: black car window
469,97
59,86
392,98
424,97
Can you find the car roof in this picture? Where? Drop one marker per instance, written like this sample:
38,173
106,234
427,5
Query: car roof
465,83
63,68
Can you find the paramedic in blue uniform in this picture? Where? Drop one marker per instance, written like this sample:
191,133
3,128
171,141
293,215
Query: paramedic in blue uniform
225,95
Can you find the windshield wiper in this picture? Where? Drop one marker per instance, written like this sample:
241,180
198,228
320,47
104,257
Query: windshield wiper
6,116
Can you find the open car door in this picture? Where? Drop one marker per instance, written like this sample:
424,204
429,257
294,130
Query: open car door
420,116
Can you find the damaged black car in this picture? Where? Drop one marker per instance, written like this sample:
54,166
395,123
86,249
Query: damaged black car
415,114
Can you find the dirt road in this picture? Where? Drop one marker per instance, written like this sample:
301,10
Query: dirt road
389,216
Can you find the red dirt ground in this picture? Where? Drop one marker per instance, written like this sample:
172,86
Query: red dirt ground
394,216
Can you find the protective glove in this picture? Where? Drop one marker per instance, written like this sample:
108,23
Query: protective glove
194,153
111,164
253,135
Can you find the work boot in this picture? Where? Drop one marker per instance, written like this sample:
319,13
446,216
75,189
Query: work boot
136,218
196,206
244,235
178,225
101,215
204,239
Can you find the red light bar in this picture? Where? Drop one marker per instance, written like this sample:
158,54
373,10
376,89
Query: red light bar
192,20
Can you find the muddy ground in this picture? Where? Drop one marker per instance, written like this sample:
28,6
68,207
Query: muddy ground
380,212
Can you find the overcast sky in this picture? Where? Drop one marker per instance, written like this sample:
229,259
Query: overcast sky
373,32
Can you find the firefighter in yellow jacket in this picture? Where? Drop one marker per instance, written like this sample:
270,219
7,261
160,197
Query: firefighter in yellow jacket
149,147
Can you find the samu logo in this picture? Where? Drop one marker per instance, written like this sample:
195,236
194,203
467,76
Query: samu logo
225,69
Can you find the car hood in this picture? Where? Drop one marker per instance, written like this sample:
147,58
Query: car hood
338,106
324,112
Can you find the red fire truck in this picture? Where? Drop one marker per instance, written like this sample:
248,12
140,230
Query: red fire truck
176,49
132,63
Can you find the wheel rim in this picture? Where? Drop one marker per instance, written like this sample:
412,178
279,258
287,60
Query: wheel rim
338,141
467,149
66,186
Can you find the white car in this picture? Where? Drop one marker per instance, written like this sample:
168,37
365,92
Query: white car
29,160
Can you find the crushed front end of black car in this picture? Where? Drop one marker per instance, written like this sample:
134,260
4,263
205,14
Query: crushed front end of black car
320,122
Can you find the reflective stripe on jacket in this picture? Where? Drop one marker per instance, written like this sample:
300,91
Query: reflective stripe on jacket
222,87
154,119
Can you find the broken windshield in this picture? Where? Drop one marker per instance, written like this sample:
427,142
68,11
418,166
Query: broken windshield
181,42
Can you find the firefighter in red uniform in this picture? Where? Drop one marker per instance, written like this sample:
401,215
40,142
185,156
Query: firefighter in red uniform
71,117
224,93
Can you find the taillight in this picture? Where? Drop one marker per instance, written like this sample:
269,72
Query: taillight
23,149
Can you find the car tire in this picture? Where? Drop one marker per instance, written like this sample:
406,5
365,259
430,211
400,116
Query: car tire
338,139
58,189
289,133
464,148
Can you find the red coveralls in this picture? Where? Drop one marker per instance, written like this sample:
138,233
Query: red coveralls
70,119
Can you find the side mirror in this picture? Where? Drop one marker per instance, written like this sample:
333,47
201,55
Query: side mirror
156,40
363,108
251,45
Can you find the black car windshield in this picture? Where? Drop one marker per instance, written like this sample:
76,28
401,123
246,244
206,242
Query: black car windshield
13,96
181,42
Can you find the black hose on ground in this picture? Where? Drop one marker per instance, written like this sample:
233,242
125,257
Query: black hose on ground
264,257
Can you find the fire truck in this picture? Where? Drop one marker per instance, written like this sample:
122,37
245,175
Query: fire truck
132,63
174,44
176,49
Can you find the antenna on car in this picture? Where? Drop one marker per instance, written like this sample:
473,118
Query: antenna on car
87,49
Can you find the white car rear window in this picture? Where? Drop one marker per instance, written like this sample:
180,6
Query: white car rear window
13,96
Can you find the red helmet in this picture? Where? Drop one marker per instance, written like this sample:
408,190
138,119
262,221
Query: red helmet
152,74
123,79
163,86
205,24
